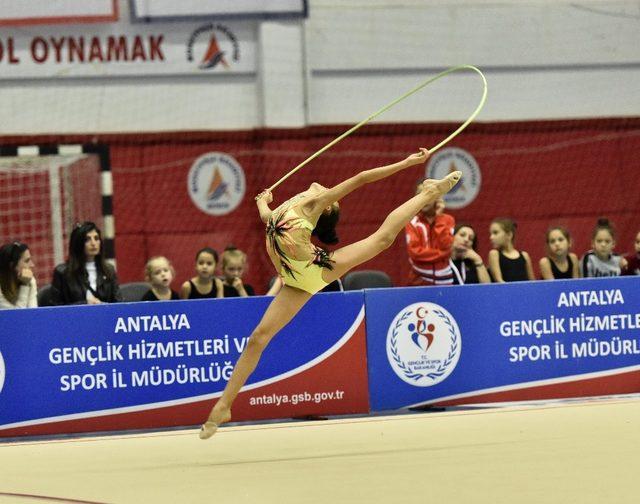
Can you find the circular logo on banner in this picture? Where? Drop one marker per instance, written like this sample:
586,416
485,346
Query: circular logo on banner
423,344
1,372
213,46
451,159
216,183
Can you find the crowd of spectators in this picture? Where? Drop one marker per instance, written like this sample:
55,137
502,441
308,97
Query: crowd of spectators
87,278
440,251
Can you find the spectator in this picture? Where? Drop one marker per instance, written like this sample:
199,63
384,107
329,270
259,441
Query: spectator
429,238
633,260
205,284
234,262
601,261
18,287
86,278
506,263
466,263
159,273
559,262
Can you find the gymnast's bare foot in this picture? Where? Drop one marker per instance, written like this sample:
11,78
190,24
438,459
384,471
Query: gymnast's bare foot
442,186
217,417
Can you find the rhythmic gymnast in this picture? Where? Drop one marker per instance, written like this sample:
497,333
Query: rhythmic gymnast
305,268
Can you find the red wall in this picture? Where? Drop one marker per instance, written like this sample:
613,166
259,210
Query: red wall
540,173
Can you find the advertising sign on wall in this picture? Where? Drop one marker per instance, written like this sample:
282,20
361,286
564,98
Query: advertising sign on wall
123,49
503,342
147,365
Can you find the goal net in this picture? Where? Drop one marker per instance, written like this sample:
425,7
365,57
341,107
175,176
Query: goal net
42,197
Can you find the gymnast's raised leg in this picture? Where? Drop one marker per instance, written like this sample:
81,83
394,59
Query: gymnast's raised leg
352,255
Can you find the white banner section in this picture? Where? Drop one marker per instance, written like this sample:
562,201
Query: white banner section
128,50
154,9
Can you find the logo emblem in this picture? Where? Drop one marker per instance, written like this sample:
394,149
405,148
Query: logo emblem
213,46
1,372
451,159
423,344
216,183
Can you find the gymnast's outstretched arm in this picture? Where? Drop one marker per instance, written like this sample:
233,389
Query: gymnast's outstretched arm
327,198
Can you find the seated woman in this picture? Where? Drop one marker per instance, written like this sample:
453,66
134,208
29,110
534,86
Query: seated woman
86,278
466,263
18,287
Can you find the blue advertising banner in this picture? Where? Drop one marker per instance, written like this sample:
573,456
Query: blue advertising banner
75,363
502,342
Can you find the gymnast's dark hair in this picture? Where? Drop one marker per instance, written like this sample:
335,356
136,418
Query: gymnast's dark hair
325,229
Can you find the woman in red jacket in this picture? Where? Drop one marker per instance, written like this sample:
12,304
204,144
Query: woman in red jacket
429,240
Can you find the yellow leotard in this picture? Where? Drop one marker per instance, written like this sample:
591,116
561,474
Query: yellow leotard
298,261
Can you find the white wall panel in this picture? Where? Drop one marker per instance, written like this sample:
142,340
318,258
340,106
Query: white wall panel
75,106
548,94
282,74
543,60
505,34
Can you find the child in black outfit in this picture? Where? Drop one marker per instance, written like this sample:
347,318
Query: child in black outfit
159,273
234,263
506,263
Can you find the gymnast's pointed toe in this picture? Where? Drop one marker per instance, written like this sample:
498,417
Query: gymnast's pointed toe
447,183
207,429
454,178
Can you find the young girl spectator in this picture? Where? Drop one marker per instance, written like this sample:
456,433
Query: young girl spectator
506,263
466,263
559,262
86,278
601,261
205,284
234,262
159,273
18,287
633,260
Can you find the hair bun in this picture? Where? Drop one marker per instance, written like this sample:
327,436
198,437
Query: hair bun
604,222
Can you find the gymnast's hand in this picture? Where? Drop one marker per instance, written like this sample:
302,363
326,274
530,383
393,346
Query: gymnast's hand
418,157
266,196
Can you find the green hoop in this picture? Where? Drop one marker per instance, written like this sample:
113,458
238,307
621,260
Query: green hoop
394,102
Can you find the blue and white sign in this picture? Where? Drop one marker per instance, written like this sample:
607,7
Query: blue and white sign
77,363
423,344
500,342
